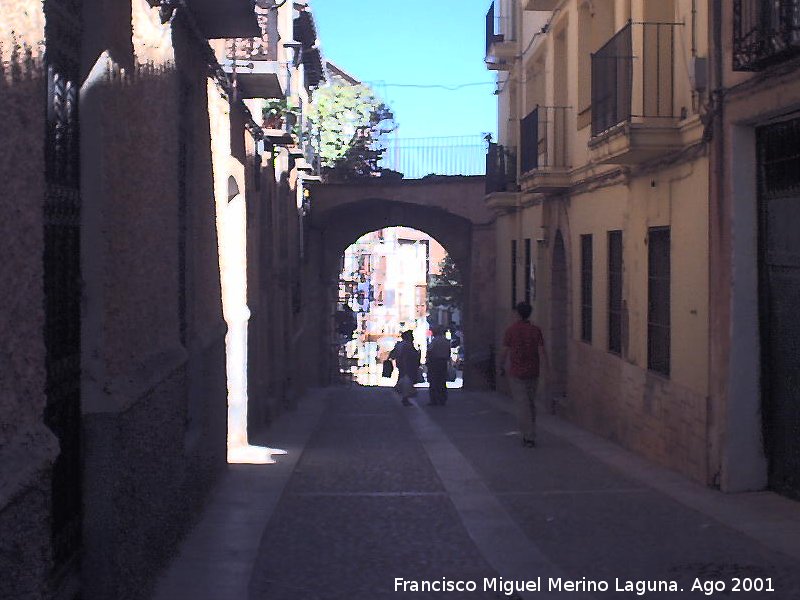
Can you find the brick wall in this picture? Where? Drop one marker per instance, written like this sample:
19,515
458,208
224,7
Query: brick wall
155,393
643,412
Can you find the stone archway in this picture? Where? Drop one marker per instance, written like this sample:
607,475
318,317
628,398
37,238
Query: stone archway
339,217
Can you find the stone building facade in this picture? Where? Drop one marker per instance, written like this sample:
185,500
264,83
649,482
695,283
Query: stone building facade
25,441
130,144
449,209
600,183
645,184
755,265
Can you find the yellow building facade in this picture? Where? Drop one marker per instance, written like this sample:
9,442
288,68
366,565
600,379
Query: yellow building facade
600,184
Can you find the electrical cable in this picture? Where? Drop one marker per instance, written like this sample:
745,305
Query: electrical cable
543,31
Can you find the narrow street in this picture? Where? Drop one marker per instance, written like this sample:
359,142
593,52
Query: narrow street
370,493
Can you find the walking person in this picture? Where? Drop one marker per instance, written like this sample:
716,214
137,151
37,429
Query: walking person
523,348
437,360
407,358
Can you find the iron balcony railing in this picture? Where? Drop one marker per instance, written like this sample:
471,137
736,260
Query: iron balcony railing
450,155
543,139
633,75
499,26
490,34
764,32
501,169
529,141
258,48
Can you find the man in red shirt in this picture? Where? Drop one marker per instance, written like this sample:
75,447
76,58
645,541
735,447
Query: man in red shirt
523,347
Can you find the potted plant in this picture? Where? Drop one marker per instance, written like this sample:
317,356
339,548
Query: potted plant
278,111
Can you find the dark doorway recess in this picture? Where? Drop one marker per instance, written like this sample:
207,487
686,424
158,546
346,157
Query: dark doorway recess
778,148
62,280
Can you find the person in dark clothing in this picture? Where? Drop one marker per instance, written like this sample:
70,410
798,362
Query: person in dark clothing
407,358
437,359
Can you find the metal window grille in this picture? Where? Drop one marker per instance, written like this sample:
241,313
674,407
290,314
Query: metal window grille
764,32
658,300
778,152
586,287
615,291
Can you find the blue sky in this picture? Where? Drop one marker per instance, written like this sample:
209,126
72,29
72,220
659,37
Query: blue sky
417,42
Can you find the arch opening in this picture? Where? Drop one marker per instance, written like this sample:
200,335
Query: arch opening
391,280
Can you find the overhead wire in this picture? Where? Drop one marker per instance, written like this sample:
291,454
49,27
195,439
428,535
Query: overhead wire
543,31
450,88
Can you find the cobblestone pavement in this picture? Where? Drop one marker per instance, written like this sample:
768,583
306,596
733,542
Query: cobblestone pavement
597,522
380,491
363,507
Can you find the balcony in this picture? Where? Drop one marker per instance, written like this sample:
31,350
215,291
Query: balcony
219,19
633,106
545,163
501,177
305,32
253,62
501,47
764,33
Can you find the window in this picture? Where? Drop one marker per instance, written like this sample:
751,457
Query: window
513,273
528,265
764,33
615,292
586,288
658,304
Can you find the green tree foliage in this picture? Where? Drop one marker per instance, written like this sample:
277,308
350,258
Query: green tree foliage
447,288
349,124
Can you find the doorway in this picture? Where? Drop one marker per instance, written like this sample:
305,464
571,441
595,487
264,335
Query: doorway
62,285
778,151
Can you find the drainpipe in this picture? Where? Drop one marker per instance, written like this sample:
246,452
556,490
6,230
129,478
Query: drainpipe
719,257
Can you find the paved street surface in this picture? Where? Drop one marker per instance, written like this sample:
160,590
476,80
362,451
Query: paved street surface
371,492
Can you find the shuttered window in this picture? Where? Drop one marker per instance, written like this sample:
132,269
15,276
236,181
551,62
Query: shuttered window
658,300
615,291
586,288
